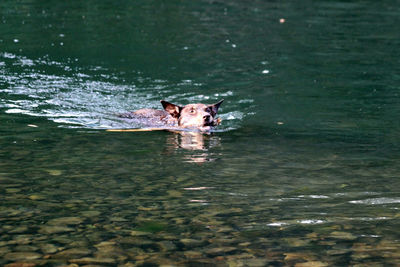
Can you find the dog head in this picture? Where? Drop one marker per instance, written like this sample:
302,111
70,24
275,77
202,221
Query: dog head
194,115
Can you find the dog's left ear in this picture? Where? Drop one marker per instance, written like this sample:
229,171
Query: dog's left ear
214,108
172,109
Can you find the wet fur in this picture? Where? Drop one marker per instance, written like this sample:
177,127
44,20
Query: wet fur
199,116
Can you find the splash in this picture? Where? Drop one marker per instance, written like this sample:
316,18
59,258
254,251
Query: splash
77,97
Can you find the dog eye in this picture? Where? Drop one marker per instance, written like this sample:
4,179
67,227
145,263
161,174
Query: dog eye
192,111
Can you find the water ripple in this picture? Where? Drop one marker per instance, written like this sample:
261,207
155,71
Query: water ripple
89,97
377,201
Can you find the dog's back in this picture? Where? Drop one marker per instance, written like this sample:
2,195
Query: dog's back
199,116
149,112
151,117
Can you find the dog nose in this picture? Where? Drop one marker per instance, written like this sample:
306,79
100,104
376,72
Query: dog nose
206,117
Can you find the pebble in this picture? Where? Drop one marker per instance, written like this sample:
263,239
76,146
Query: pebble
192,254
336,252
311,264
289,256
54,172
118,219
4,250
255,262
63,239
223,241
20,264
72,253
47,229
21,240
297,242
359,256
17,256
313,236
225,229
139,233
107,261
19,230
134,252
342,235
26,248
110,250
240,256
392,245
105,244
48,248
135,241
191,243
220,251
65,221
147,208
90,213
166,246
36,197
13,190
244,244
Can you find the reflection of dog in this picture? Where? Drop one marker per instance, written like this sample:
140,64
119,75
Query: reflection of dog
198,116
197,145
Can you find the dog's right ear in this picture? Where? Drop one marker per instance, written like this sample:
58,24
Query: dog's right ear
215,107
173,110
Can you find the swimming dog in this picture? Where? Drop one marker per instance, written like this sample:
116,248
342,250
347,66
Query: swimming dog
192,116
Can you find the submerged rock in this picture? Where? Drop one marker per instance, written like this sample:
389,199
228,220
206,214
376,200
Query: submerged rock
297,242
166,245
192,243
54,172
290,256
139,233
118,219
17,256
342,235
49,229
220,251
105,244
72,253
86,261
90,213
26,248
20,264
192,254
110,250
19,230
256,262
4,250
48,248
311,264
36,197
65,221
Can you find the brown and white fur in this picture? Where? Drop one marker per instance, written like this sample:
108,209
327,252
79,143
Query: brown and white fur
196,116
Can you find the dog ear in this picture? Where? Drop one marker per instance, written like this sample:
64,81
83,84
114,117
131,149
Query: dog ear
173,110
214,107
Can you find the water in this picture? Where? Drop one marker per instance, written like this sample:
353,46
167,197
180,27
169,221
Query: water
302,171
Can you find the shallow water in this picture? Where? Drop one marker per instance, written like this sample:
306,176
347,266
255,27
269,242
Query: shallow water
304,169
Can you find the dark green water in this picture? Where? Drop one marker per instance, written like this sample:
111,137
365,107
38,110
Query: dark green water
303,171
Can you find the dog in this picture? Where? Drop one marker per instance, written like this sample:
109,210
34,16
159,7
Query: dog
192,116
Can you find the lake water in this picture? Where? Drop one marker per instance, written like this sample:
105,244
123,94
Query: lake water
303,170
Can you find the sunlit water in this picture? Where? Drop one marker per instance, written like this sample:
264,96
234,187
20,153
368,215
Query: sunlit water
303,170
89,101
